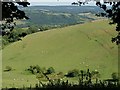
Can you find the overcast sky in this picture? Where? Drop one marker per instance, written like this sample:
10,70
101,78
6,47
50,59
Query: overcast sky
52,0
59,2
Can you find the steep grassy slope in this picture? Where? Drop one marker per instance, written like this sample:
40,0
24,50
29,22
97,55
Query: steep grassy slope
74,47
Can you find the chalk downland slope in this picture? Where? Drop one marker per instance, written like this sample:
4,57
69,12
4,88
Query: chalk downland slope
74,47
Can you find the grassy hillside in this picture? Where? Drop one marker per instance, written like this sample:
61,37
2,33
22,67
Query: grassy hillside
74,47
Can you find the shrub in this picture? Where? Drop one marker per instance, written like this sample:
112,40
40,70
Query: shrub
114,75
34,69
73,73
5,40
32,29
39,75
50,70
38,69
44,70
83,73
23,34
95,74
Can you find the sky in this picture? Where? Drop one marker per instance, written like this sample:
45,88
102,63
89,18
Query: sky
52,0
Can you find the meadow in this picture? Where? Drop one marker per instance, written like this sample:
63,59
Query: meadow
79,46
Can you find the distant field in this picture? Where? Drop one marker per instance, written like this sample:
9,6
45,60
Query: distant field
80,46
60,15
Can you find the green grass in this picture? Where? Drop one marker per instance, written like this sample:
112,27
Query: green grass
72,47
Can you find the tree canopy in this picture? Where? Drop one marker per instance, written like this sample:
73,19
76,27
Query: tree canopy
112,13
10,12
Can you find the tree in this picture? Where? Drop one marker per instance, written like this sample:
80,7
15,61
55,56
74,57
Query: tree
113,13
10,12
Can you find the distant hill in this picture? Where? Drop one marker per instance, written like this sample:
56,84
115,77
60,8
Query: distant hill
74,47
60,15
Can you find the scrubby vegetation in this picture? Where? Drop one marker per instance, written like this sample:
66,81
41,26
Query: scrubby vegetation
85,80
36,69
